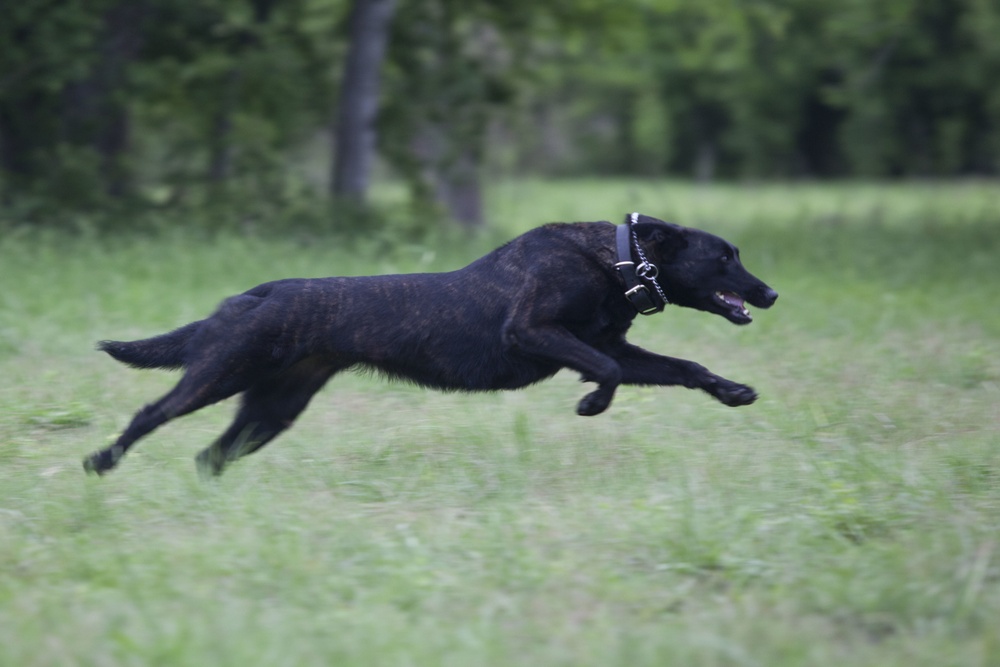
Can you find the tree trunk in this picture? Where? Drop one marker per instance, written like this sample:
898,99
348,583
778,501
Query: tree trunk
354,135
704,163
460,189
19,138
446,170
93,113
220,142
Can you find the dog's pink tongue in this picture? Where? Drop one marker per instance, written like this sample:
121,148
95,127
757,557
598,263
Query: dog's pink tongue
732,299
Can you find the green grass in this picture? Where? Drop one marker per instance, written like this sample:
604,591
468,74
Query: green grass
850,517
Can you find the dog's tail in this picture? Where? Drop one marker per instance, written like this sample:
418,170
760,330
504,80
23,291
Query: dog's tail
165,351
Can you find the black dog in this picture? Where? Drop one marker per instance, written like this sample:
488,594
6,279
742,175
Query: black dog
559,296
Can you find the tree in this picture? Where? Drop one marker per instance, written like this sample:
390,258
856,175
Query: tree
45,48
227,89
355,138
455,68
245,39
170,101
918,87
94,115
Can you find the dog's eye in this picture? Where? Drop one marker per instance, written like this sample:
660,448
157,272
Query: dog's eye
725,257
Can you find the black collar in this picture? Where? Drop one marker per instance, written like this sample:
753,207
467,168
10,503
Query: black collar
646,301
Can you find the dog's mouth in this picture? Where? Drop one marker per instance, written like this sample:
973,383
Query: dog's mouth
734,307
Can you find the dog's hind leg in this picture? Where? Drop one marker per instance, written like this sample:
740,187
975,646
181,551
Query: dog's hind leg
201,385
268,407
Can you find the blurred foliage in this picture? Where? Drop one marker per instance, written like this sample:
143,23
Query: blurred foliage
109,105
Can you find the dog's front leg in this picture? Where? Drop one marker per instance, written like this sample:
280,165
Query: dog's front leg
554,344
642,367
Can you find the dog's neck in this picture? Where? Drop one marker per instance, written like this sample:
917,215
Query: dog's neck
638,277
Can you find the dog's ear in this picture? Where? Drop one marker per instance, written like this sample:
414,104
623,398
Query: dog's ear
664,235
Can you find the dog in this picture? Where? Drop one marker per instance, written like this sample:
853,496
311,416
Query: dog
562,295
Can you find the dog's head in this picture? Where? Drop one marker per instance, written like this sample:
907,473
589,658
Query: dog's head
700,270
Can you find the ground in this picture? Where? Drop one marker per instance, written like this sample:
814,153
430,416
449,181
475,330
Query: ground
850,516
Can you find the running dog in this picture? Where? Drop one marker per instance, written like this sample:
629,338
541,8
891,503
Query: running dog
559,296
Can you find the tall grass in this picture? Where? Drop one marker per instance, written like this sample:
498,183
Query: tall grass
851,516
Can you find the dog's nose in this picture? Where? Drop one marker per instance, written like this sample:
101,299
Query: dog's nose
763,296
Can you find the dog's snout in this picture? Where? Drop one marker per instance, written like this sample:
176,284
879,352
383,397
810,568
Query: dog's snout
762,296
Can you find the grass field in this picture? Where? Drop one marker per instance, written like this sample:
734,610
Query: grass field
850,517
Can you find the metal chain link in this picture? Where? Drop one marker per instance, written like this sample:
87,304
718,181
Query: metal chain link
645,270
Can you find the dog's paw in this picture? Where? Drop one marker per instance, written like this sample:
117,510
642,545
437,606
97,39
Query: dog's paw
210,463
733,394
101,462
594,403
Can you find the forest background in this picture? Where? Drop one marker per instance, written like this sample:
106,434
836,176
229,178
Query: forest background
164,105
